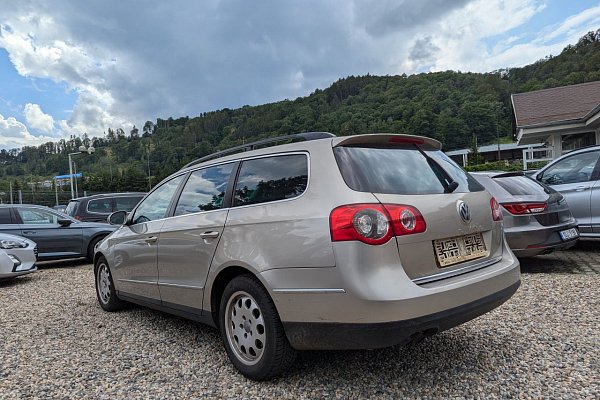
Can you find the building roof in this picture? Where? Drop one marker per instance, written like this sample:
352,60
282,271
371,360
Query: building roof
490,148
548,106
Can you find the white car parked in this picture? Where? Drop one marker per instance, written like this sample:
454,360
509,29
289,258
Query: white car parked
17,256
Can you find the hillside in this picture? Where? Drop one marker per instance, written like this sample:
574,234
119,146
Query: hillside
452,107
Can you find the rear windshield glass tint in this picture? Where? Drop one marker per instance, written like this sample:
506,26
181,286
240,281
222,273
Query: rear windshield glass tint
520,185
71,208
400,169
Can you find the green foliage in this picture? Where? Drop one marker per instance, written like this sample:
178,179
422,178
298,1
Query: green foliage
452,107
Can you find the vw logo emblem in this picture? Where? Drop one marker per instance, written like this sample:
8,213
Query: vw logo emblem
463,211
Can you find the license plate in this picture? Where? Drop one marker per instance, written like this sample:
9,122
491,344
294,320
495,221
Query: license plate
569,234
458,249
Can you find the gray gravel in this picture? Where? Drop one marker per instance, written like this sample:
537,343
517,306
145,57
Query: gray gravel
56,342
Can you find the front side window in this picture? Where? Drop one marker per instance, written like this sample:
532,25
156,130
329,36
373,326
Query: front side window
156,205
271,178
31,216
577,168
204,190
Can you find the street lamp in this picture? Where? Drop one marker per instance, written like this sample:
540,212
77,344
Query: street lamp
82,149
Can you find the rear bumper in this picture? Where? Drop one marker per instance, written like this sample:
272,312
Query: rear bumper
347,336
530,243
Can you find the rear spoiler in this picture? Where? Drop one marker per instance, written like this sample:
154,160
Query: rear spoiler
507,174
387,138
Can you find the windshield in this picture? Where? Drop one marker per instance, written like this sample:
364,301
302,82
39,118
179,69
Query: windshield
401,169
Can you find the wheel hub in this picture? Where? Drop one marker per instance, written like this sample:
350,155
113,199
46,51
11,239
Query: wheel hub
245,328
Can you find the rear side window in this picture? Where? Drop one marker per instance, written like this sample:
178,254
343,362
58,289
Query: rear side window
126,203
102,206
5,216
71,208
204,190
271,178
400,169
520,185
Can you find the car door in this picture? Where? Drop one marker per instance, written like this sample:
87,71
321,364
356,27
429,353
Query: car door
188,240
135,244
574,177
53,239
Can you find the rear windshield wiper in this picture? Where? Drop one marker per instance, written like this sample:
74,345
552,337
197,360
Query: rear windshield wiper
449,184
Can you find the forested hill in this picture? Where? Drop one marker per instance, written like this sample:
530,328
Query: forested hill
453,107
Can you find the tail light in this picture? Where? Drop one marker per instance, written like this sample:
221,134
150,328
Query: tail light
525,208
77,217
496,211
374,223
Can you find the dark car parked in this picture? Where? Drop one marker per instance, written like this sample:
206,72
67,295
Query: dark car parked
57,235
537,219
98,207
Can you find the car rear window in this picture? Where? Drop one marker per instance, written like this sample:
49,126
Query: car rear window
72,208
102,206
520,185
126,203
400,169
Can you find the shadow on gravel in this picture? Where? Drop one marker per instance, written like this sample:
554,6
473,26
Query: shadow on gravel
19,280
587,245
71,263
544,264
423,366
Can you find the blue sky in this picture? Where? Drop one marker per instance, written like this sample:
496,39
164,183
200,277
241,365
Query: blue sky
67,67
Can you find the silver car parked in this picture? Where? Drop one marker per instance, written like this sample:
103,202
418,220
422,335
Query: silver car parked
353,242
17,256
576,175
537,219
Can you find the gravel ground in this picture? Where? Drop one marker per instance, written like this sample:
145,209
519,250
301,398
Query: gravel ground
56,342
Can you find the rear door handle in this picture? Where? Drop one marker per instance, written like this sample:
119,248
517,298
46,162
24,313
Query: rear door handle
582,188
29,232
151,239
209,235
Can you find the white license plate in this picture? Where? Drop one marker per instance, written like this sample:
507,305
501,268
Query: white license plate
569,234
459,249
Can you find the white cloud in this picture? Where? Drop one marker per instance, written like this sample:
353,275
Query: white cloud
37,119
227,54
14,134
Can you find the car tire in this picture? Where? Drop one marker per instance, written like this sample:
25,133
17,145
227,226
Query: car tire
251,330
92,246
105,288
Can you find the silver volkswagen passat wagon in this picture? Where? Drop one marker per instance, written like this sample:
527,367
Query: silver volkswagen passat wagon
323,242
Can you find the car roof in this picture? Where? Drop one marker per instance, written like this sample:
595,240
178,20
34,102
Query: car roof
307,145
102,195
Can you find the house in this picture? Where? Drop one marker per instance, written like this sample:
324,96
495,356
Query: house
562,118
507,151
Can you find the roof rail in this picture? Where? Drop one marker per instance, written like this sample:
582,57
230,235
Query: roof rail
306,136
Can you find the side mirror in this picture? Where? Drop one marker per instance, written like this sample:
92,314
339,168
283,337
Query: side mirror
117,218
539,176
64,222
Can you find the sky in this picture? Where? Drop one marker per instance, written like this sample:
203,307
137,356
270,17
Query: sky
73,67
